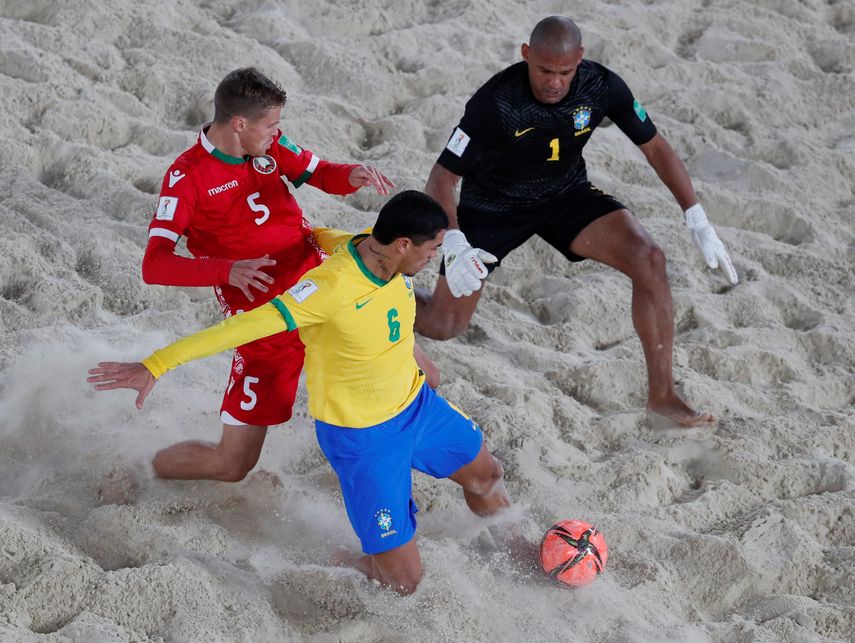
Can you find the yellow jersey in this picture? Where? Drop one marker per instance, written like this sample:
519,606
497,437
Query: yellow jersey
358,332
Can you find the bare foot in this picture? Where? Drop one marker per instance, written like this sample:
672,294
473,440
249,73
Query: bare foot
676,410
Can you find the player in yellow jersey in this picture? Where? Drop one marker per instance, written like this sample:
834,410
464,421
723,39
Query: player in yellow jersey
375,417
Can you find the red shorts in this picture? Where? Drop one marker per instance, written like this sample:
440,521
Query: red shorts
263,382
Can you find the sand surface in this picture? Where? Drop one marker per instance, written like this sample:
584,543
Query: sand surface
744,532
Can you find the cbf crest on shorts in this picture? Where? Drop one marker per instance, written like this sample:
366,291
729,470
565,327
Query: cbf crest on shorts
384,521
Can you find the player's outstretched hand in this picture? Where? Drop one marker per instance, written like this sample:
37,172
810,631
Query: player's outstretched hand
248,273
707,241
366,175
464,265
132,375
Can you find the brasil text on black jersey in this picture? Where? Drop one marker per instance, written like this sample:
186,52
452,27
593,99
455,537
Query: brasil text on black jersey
515,152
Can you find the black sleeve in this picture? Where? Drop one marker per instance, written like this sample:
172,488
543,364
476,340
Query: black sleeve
627,113
477,128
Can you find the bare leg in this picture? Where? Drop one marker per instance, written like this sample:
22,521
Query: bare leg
230,460
618,240
399,569
484,489
483,484
442,315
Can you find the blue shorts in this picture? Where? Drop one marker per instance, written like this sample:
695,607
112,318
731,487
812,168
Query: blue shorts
374,465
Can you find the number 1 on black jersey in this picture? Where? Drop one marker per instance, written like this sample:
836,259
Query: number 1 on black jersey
554,145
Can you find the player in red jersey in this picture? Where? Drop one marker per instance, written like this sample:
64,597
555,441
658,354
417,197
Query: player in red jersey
229,196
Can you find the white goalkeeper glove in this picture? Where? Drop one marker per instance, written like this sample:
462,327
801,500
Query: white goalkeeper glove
464,265
708,243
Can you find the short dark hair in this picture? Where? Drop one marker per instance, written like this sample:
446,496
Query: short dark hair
246,92
411,214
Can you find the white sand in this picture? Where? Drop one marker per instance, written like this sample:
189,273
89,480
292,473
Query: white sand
745,532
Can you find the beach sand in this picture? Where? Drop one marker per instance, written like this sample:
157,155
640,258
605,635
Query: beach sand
744,532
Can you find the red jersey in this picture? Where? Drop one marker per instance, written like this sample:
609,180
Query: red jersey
241,208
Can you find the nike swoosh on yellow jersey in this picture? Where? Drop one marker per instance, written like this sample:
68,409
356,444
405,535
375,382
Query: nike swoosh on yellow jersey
358,306
518,133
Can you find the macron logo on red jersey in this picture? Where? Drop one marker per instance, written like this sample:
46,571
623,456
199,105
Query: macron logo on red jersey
222,188
174,177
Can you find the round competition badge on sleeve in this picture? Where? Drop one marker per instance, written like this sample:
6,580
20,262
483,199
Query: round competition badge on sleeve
264,164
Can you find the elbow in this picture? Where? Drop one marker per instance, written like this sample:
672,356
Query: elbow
147,275
151,275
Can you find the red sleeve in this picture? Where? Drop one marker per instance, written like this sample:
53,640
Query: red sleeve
333,178
300,165
163,267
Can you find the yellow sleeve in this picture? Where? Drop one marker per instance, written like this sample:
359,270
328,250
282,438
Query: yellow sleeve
235,331
331,238
313,300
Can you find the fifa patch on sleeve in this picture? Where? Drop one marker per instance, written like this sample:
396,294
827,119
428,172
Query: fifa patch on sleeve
166,208
458,142
303,290
639,110
288,144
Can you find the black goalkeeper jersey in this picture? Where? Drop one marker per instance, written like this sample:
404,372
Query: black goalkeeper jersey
515,152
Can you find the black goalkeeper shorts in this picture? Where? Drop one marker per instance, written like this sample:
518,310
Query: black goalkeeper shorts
558,223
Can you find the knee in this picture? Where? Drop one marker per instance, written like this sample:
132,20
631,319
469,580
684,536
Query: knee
449,331
445,327
439,320
650,262
457,326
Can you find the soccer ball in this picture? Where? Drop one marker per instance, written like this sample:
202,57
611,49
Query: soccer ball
573,552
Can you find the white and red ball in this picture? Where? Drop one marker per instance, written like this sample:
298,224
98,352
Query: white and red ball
573,552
